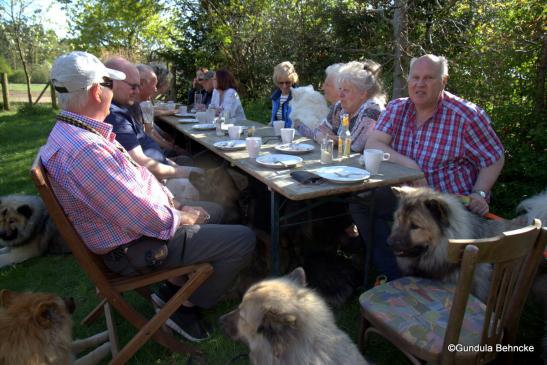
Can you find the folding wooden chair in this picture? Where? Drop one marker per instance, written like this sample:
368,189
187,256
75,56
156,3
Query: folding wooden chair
110,286
424,318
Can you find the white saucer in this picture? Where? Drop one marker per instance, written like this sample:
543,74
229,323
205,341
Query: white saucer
278,161
204,126
295,148
342,174
187,120
232,145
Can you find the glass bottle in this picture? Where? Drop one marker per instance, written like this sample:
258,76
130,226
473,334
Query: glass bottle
343,135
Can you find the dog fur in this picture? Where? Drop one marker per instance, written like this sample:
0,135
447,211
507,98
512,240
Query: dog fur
26,230
283,322
222,185
36,329
308,106
424,222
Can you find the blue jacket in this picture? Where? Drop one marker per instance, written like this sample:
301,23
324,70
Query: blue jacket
285,108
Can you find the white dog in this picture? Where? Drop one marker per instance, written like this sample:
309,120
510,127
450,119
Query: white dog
308,106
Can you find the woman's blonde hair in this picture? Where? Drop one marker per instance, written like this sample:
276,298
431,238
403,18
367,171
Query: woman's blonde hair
364,76
285,69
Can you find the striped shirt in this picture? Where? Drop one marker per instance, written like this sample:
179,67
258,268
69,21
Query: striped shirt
450,148
110,200
282,100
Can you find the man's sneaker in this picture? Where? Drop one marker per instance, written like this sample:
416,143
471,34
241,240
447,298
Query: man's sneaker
186,323
162,296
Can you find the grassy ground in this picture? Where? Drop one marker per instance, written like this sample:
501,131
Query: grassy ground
21,133
23,87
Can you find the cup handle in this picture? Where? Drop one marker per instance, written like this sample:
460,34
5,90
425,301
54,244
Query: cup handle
386,156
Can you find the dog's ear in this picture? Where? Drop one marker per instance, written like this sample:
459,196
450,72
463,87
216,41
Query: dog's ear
25,210
279,329
439,210
6,297
298,275
46,313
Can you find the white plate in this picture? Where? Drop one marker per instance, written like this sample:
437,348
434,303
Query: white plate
342,174
187,120
204,127
295,148
232,145
278,161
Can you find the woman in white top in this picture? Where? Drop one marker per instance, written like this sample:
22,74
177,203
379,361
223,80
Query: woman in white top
225,97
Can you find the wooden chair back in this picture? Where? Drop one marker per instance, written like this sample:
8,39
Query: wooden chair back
515,257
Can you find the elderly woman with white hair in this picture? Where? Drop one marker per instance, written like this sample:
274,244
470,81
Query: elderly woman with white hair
332,95
361,97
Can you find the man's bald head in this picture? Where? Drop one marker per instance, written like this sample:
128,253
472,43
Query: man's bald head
126,91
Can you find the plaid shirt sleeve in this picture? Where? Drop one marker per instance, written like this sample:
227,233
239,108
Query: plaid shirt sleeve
388,117
115,191
482,144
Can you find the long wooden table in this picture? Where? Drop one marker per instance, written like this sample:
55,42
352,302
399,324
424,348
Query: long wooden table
279,181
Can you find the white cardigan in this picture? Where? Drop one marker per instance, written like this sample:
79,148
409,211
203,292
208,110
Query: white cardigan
230,103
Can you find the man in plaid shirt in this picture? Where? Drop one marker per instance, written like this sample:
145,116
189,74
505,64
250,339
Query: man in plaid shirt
448,138
119,208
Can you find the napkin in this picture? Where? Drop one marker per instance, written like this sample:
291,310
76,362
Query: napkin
306,177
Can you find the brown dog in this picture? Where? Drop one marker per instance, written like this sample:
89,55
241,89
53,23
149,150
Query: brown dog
36,329
283,322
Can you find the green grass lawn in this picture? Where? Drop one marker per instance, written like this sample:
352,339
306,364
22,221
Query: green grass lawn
22,132
23,87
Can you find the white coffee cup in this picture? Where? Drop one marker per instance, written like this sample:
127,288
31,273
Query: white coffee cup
373,158
278,124
234,131
287,135
171,105
183,109
253,146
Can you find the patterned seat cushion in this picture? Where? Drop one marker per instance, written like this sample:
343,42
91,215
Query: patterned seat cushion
418,310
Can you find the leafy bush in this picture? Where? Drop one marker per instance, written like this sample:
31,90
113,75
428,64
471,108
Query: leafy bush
17,77
522,132
40,74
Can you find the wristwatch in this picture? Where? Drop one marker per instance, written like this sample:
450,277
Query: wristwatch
482,193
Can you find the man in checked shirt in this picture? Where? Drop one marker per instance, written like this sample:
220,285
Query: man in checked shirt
121,211
448,138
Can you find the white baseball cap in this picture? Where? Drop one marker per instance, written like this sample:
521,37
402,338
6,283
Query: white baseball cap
77,70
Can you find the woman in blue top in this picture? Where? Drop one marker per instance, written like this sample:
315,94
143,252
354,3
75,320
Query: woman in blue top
284,78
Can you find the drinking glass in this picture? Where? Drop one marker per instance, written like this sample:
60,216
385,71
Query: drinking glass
327,145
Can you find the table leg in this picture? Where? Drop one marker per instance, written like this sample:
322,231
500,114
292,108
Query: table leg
370,241
274,216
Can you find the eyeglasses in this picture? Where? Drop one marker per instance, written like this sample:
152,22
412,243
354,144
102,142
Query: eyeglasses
109,83
284,83
201,79
132,86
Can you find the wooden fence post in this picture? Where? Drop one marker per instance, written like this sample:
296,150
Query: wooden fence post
53,96
5,91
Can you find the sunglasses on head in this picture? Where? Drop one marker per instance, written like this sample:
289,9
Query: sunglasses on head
284,83
132,86
107,82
